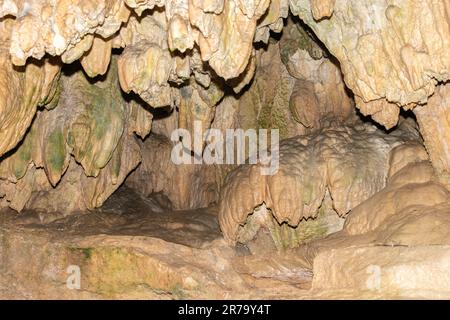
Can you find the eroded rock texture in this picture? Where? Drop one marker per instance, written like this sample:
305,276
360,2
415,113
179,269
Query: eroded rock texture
434,121
77,152
392,53
351,163
188,54
91,92
186,186
390,50
399,233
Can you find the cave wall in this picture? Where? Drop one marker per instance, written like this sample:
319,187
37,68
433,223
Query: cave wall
224,63
393,54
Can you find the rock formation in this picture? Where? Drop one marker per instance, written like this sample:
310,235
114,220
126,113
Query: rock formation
78,150
351,164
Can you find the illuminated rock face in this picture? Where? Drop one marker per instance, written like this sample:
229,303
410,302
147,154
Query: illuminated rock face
389,50
393,54
186,53
434,121
348,163
81,147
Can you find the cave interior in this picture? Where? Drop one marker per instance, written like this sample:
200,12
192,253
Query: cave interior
120,158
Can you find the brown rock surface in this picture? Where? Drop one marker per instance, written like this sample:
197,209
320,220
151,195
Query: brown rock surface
127,250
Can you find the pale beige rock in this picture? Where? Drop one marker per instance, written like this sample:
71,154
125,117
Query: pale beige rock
120,266
392,51
319,94
411,186
62,25
236,37
77,51
83,147
382,111
434,122
266,102
322,8
186,186
272,20
405,154
417,225
196,105
180,35
35,83
340,159
145,69
69,139
218,25
140,6
388,272
274,267
394,59
96,61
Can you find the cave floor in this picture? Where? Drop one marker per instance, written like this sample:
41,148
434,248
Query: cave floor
134,248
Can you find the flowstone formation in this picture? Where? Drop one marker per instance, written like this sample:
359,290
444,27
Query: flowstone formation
345,165
393,54
172,54
192,56
79,149
309,93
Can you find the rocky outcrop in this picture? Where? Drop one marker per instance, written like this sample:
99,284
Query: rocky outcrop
188,54
434,122
351,163
36,83
382,272
412,203
391,51
215,38
159,47
92,91
82,148
394,244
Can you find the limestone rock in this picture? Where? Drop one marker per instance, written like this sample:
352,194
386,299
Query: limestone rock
322,9
386,50
145,69
339,159
84,147
96,61
414,186
91,93
186,186
35,82
61,25
434,122
388,272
